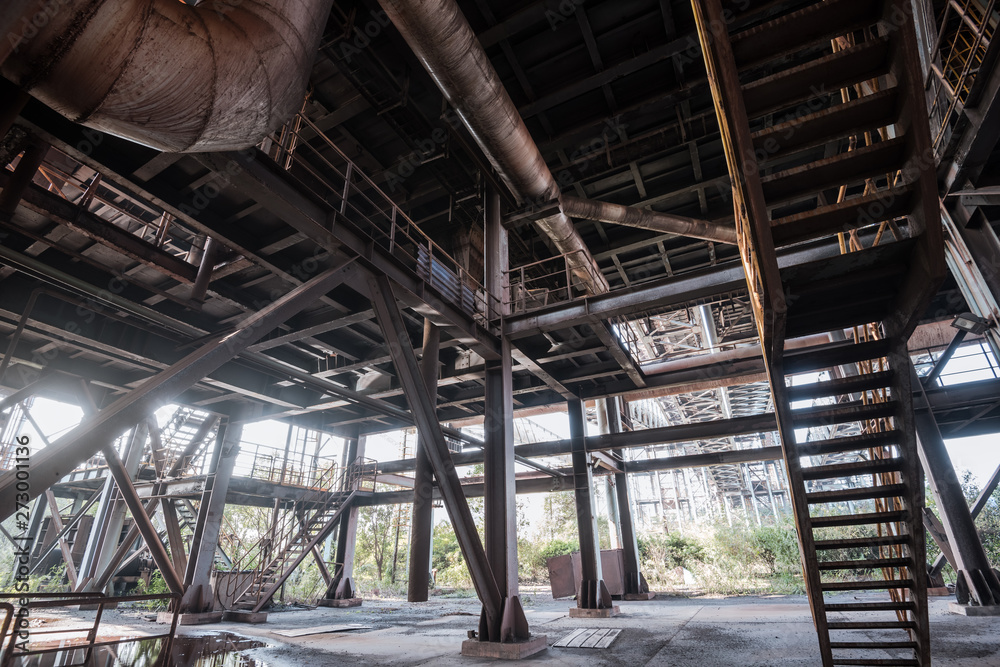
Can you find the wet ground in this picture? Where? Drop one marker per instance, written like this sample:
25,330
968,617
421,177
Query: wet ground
676,631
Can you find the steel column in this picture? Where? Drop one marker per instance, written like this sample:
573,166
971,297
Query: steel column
977,582
342,587
984,497
405,361
197,578
421,521
593,594
635,583
52,463
107,527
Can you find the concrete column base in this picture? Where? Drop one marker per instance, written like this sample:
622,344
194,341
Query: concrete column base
607,612
240,616
636,597
190,619
939,591
970,610
474,648
349,602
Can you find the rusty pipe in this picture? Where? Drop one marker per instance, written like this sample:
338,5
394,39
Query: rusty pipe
173,76
631,216
446,45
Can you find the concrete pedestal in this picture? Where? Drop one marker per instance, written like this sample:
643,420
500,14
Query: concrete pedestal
349,602
637,597
239,616
190,619
474,648
607,612
939,591
970,610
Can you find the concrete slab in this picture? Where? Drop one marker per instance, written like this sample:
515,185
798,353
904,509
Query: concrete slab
341,604
190,619
240,616
970,610
608,612
473,648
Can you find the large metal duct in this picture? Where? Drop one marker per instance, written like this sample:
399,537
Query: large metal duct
173,76
442,39
630,216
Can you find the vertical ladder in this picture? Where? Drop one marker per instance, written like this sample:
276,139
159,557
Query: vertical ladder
829,149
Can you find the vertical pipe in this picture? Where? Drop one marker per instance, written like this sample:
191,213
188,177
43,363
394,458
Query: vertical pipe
590,594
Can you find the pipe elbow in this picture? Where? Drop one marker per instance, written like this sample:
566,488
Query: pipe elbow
175,77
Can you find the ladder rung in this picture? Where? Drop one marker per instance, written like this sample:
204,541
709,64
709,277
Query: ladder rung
854,384
791,32
864,564
850,214
870,111
869,606
867,467
900,662
884,646
836,354
833,72
861,542
849,444
876,585
871,625
895,516
873,161
857,493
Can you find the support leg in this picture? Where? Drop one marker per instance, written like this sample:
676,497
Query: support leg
421,524
593,597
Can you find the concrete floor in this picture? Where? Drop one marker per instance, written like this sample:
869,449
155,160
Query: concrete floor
680,632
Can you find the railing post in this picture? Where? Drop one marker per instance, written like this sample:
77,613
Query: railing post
392,232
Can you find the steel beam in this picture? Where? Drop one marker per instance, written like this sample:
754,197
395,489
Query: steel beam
421,521
49,465
405,360
977,507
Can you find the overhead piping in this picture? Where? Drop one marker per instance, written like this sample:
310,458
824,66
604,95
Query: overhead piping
631,216
445,43
173,76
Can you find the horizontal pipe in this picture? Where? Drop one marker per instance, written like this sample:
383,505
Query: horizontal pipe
169,75
631,216
446,45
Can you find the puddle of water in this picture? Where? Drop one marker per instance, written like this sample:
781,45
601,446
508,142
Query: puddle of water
218,650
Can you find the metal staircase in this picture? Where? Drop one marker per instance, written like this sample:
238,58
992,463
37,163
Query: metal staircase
825,130
295,533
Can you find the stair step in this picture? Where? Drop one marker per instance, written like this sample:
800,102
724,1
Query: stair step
878,585
875,646
835,354
849,167
871,625
895,516
863,493
899,662
869,606
852,443
844,216
861,542
817,23
854,384
851,469
864,564
842,413
849,118
823,75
